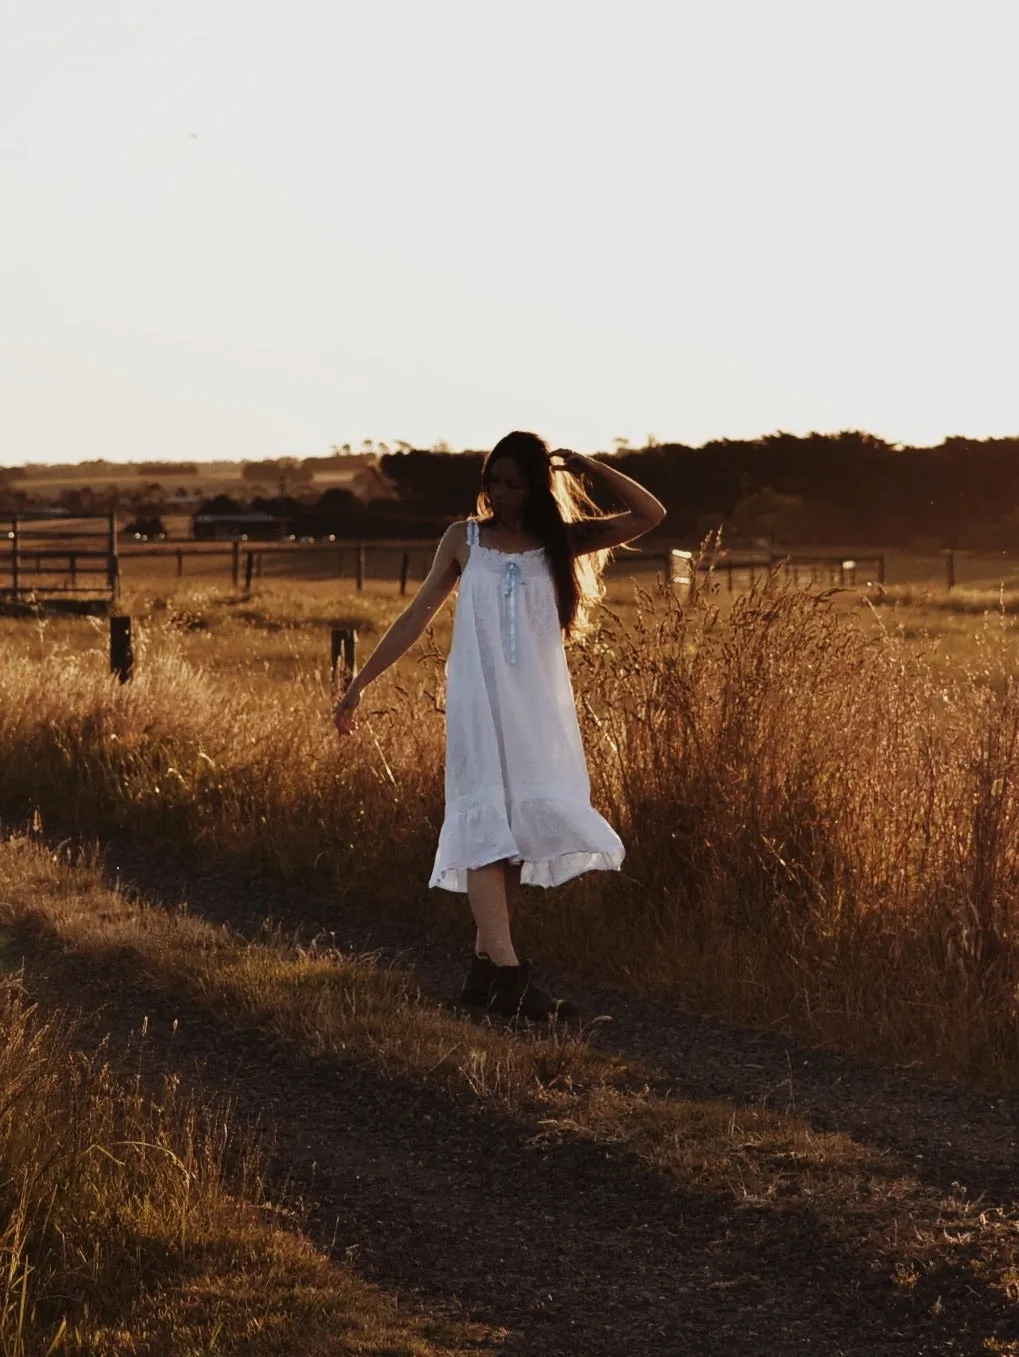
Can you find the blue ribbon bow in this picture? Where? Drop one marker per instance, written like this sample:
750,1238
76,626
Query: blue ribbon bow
512,581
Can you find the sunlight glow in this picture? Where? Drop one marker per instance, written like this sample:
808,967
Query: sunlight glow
244,228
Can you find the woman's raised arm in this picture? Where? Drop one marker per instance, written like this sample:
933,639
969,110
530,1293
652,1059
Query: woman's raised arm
643,510
402,634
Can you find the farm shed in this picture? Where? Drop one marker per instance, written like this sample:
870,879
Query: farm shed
229,525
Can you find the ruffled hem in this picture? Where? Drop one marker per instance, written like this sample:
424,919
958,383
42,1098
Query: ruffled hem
553,840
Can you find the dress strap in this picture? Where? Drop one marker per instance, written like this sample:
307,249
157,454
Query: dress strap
472,532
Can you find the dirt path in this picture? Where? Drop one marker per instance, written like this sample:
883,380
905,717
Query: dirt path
574,1248
949,1133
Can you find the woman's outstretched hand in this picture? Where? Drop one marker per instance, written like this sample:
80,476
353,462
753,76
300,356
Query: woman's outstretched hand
343,711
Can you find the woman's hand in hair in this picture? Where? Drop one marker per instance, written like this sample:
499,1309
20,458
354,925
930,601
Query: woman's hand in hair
574,462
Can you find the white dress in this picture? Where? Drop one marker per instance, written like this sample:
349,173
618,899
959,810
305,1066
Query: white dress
517,785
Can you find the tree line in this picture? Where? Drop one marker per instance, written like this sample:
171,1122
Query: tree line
823,489
847,488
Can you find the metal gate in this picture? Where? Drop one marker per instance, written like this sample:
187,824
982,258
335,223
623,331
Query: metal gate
70,558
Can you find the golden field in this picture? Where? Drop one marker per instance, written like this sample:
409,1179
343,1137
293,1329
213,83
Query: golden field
817,796
816,793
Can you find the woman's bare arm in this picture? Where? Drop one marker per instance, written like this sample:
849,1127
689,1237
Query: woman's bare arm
643,510
402,634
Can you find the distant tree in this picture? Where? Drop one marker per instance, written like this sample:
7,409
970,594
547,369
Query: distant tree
222,504
13,501
78,499
337,499
780,518
444,483
166,469
150,493
275,469
148,526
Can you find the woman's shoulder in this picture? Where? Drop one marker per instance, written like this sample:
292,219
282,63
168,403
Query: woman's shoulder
456,541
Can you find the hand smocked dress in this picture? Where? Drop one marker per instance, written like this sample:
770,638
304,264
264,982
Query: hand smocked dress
517,785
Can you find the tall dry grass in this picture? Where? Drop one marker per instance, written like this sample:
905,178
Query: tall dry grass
136,1222
821,826
114,1199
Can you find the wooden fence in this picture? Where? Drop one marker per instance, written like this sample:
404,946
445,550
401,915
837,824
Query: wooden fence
799,567
80,558
68,557
246,562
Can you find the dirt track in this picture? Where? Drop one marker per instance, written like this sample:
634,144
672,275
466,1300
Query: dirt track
571,1247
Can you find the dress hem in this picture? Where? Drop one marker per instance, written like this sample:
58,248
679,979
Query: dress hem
544,872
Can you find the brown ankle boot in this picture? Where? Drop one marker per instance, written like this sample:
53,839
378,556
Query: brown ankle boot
478,981
514,994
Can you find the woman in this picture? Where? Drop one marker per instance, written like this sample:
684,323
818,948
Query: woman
518,806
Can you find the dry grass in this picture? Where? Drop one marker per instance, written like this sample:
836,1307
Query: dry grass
126,1233
350,1009
353,1009
821,821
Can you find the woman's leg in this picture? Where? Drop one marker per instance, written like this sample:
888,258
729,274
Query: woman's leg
512,886
488,893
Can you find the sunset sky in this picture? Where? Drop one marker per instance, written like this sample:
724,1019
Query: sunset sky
253,228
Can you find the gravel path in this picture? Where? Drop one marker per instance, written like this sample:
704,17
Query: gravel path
574,1248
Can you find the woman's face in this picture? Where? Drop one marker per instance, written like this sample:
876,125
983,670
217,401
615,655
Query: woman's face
507,489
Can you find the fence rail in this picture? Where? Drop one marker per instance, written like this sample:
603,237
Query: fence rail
823,567
58,568
44,558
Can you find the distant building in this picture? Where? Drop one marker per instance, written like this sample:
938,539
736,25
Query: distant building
224,520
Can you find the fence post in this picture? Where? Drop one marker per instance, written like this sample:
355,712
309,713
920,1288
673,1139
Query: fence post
404,570
236,561
344,644
360,565
180,562
72,568
121,654
249,566
950,568
112,557
15,555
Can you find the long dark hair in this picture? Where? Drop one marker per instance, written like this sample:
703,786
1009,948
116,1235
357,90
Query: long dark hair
555,500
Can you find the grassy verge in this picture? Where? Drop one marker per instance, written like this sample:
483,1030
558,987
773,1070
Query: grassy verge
125,1234
822,828
352,1010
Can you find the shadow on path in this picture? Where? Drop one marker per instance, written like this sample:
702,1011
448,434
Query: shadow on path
948,1133
574,1248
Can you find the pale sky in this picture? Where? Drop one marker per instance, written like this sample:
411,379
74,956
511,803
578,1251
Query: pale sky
254,228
